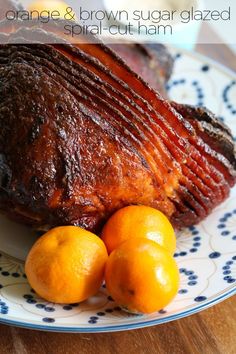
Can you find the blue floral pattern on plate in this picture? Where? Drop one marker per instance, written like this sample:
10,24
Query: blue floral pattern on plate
206,253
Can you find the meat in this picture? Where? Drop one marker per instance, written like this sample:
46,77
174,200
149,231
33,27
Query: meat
152,62
82,135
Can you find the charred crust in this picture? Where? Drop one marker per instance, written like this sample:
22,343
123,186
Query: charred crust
212,130
5,174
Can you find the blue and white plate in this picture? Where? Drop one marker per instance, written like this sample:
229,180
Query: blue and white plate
206,253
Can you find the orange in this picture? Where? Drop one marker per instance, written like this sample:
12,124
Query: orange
141,276
66,265
138,221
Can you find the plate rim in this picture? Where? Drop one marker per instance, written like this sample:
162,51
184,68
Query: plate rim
194,54
122,327
130,326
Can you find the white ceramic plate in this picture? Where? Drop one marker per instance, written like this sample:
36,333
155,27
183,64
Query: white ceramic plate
206,253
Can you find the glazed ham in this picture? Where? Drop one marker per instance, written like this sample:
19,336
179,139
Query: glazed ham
152,62
82,135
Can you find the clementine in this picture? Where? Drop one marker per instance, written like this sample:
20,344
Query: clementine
66,265
141,276
138,221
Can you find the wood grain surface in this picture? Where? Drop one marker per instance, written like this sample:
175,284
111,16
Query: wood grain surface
212,331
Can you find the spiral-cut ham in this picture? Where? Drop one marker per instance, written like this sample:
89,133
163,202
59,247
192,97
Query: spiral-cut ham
82,135
151,61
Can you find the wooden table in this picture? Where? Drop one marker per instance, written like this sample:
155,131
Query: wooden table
212,331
